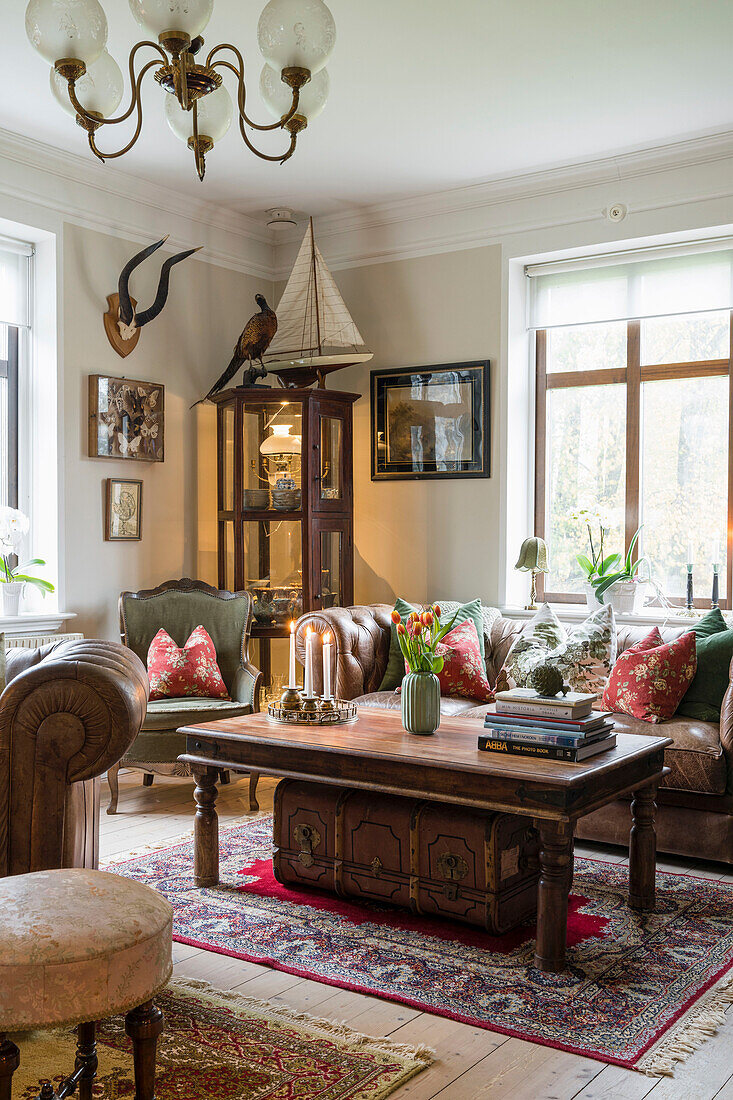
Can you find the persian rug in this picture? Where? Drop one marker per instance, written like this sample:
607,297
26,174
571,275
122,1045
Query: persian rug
642,990
223,1046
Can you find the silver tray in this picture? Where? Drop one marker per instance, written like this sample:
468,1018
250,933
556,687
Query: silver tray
343,711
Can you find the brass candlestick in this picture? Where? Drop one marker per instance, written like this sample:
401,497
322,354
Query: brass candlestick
309,705
326,703
290,699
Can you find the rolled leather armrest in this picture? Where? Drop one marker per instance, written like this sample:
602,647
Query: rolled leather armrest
360,637
67,714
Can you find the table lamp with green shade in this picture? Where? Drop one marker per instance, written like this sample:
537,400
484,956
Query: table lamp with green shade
533,558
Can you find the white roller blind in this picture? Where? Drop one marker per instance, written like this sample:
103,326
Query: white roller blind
631,285
15,280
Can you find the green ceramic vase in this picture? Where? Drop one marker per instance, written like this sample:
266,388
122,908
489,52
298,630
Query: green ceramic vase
421,703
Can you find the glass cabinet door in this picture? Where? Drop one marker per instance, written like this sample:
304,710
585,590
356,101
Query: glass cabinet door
332,476
331,563
273,572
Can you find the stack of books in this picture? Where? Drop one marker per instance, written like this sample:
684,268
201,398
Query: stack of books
560,727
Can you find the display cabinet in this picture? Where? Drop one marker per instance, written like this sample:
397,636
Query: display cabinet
285,503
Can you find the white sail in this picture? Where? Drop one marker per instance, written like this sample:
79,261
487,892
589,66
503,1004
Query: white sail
312,315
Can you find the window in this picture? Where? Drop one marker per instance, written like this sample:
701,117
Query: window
15,260
634,416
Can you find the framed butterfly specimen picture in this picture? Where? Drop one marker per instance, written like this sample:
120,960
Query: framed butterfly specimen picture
126,419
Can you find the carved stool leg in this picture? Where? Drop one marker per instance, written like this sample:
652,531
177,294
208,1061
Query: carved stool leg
148,778
556,876
643,849
224,777
205,828
86,1058
144,1025
9,1062
114,788
253,780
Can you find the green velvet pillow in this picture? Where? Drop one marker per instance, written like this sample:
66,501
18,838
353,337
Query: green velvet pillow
704,696
395,670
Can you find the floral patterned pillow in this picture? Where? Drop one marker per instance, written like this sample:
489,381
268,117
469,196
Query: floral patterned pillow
193,670
584,656
464,671
649,679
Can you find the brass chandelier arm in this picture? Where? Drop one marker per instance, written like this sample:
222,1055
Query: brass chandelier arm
138,100
97,120
242,94
265,156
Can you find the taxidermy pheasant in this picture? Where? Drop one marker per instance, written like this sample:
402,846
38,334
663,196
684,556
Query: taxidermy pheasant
254,341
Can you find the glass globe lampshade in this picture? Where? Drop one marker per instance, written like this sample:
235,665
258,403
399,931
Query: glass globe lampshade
215,112
100,89
158,16
281,442
66,28
278,96
298,33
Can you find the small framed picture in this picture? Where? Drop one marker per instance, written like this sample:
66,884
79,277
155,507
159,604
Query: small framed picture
126,419
431,422
124,511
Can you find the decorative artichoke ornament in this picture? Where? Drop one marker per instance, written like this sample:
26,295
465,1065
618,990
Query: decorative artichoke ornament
547,680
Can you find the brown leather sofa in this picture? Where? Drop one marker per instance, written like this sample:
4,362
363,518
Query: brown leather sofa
68,712
695,804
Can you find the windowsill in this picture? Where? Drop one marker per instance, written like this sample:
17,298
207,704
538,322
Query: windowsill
35,622
574,613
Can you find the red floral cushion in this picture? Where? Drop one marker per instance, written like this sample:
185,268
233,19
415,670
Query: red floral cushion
649,680
193,670
464,672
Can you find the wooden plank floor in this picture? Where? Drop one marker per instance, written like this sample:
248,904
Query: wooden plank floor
472,1064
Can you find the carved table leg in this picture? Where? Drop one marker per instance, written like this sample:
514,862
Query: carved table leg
556,875
206,828
144,1025
643,849
86,1057
9,1062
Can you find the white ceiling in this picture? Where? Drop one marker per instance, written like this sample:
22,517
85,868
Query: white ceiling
428,95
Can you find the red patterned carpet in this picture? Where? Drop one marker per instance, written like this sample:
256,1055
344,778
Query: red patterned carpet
641,990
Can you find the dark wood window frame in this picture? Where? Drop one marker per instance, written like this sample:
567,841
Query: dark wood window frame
9,371
632,376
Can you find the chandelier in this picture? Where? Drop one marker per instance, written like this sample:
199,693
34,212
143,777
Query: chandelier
296,39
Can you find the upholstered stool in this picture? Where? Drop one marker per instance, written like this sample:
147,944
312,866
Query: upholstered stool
79,946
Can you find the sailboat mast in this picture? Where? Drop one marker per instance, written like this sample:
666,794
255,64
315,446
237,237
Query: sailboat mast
315,287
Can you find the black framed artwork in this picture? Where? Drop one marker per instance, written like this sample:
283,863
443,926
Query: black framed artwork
431,422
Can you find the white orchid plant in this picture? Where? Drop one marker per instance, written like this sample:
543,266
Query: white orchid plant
14,526
603,570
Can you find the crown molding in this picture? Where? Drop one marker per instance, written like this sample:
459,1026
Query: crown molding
485,212
99,197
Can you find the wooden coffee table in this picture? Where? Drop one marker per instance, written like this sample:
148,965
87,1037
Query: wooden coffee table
375,753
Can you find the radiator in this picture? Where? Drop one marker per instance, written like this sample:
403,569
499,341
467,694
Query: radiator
35,641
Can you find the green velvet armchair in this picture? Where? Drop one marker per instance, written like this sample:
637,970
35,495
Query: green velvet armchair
179,606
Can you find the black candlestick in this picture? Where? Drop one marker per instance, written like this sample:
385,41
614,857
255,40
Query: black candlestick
690,599
716,596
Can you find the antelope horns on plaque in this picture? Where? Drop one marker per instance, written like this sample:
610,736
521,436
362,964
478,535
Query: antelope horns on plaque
123,321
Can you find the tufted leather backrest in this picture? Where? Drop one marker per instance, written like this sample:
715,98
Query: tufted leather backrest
361,638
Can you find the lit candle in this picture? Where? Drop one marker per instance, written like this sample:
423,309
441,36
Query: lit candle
308,683
327,666
291,677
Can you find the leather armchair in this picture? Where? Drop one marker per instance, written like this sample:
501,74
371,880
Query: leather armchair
68,713
179,606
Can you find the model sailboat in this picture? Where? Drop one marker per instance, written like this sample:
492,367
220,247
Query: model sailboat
315,331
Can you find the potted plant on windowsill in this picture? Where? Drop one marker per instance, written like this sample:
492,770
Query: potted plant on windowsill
621,587
14,526
597,565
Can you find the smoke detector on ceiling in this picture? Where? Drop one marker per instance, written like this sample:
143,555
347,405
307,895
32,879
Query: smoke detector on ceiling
280,218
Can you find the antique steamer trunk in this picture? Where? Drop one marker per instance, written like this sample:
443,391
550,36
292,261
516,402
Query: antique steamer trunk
435,859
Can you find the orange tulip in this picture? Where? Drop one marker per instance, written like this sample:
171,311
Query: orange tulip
417,627
436,610
396,617
401,628
427,618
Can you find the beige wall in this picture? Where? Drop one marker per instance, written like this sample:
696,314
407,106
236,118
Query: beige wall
424,539
185,349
